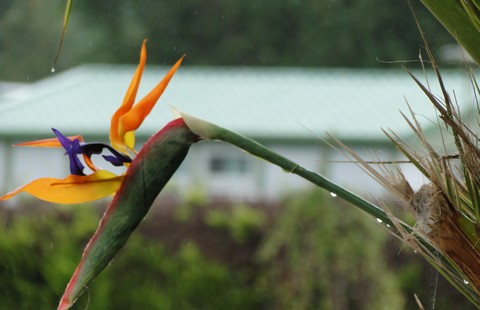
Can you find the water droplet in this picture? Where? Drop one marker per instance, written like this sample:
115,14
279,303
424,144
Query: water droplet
388,225
52,69
333,194
379,220
465,282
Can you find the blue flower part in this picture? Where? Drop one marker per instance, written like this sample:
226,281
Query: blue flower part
113,160
72,149
116,159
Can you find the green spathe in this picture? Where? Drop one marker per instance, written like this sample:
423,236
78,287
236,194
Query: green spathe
148,174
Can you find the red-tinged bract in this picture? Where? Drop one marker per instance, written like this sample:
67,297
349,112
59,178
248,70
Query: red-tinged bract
145,178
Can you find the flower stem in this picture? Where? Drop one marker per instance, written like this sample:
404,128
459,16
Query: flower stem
215,132
443,263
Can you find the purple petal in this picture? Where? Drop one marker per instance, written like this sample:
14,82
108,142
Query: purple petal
72,149
76,166
64,141
113,160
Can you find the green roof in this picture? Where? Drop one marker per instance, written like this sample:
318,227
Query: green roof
271,103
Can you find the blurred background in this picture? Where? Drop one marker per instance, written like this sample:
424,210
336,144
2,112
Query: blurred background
326,33
295,248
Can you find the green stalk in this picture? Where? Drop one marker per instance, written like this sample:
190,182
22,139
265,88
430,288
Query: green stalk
213,132
66,17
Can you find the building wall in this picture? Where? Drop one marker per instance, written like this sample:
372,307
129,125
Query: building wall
261,180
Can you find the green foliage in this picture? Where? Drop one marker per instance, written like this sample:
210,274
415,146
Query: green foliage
241,221
312,252
194,199
146,276
282,32
461,19
319,256
28,38
39,253
217,32
40,250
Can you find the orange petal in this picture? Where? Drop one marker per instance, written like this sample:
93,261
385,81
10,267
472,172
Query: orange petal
116,141
51,142
134,118
90,163
72,189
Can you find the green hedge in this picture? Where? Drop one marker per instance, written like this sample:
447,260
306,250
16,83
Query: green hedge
309,252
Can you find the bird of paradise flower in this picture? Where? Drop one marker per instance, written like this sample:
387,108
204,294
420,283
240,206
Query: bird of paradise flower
135,190
79,187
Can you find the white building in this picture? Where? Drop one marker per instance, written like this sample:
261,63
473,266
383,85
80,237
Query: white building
287,109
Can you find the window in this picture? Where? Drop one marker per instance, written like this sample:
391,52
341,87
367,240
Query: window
230,165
